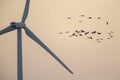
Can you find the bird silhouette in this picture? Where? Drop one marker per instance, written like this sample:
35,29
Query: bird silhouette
93,32
107,23
86,33
90,37
73,34
82,15
108,38
101,38
89,17
80,34
98,33
67,32
82,31
98,41
60,33
99,17
79,21
69,18
77,31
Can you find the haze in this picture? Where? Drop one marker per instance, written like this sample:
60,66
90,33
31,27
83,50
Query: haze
88,59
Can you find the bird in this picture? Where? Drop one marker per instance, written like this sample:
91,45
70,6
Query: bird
69,18
111,32
99,17
79,21
67,32
80,34
76,31
98,33
90,37
60,33
89,17
108,38
98,41
82,15
86,33
22,25
107,23
93,32
82,31
73,34
101,38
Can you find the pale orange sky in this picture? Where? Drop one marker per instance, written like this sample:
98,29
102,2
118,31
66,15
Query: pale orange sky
88,59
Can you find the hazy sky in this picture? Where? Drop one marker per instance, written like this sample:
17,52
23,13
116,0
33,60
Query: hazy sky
88,58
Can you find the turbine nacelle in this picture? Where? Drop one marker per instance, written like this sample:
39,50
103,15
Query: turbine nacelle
17,25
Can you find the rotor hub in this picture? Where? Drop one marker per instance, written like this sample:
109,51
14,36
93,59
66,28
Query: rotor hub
17,25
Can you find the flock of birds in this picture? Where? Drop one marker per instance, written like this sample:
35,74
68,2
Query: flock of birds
88,34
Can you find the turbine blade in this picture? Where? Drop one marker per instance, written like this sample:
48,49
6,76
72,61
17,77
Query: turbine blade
26,10
36,39
8,29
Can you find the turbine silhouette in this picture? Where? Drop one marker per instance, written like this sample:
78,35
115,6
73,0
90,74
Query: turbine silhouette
19,26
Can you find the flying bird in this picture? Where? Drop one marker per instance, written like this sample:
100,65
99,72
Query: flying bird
89,17
82,15
98,33
107,23
93,32
69,18
79,21
90,37
60,33
77,31
82,31
73,34
86,33
80,34
67,32
108,38
99,17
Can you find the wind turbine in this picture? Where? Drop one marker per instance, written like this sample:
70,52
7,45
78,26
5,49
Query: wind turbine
19,26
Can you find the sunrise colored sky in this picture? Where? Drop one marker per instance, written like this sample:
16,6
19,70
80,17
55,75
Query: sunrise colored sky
91,56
